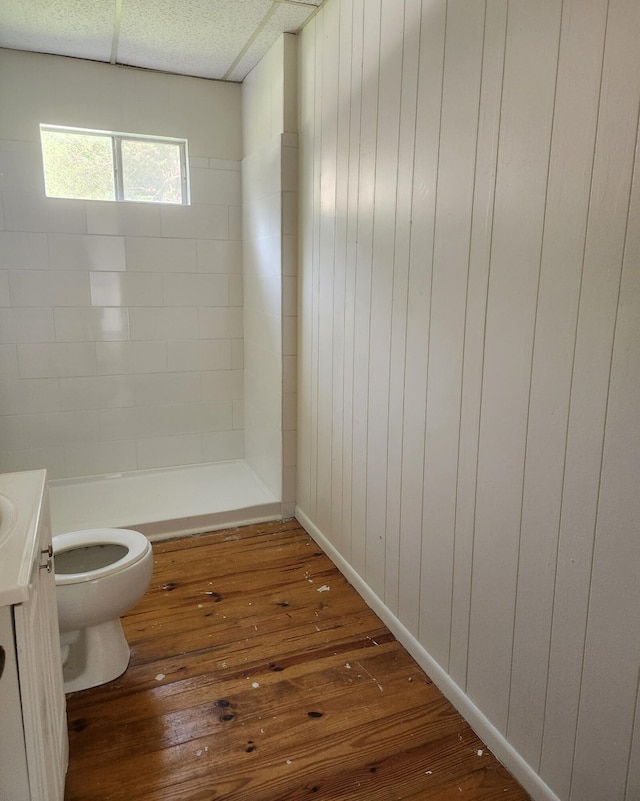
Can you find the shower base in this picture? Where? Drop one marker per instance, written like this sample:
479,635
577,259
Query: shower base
165,502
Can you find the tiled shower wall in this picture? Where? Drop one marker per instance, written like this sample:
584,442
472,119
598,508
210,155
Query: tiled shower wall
121,324
269,175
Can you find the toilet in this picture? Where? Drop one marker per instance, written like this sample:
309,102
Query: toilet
99,574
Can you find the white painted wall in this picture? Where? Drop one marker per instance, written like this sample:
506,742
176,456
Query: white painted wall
269,185
469,378
121,324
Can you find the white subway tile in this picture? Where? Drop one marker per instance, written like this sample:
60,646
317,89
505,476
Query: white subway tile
193,418
219,446
221,322
96,324
131,357
167,323
289,336
289,411
86,252
24,396
238,414
289,169
225,164
48,288
198,355
11,431
23,251
50,459
289,296
21,171
197,289
235,290
129,422
96,392
237,354
8,362
221,187
289,255
169,451
235,222
289,374
219,256
264,331
155,254
157,389
289,213
289,485
98,458
5,295
126,289
27,325
289,444
198,161
195,222
222,385
123,219
157,421
59,428
56,359
33,212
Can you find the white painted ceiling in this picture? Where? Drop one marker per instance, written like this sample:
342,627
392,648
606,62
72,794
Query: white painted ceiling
221,39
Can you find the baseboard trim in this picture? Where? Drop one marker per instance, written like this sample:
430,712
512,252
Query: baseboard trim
483,727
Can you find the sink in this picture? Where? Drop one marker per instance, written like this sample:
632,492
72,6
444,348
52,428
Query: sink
7,516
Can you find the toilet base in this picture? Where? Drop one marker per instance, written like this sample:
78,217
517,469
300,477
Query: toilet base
93,656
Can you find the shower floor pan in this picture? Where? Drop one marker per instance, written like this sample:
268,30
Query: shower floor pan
165,502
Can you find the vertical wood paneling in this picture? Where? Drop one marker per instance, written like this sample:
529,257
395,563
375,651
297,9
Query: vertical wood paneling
345,35
469,370
315,251
458,131
607,697
327,178
407,133
572,147
350,277
527,104
420,264
384,221
476,303
364,257
633,771
598,302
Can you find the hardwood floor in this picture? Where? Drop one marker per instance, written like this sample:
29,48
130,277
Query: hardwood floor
258,674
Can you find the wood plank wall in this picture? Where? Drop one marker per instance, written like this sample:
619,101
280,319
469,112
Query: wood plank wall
469,375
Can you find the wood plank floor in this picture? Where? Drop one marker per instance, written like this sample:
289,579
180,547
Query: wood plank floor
258,674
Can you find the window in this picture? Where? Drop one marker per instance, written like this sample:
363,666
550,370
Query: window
102,165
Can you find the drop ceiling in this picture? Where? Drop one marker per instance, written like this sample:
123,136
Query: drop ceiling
220,39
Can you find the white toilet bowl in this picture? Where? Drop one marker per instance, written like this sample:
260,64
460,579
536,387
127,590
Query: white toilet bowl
100,575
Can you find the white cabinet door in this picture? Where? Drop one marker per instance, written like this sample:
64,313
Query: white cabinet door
40,671
14,782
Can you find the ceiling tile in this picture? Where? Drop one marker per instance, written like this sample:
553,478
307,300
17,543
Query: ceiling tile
192,37
74,28
287,18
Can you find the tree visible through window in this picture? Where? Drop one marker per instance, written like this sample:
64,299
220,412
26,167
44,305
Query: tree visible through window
99,165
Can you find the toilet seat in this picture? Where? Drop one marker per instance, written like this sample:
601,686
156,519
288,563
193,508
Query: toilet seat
137,546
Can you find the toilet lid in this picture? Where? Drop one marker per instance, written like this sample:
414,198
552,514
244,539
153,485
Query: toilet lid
137,546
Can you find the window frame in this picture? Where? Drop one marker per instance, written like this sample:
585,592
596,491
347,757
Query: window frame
117,138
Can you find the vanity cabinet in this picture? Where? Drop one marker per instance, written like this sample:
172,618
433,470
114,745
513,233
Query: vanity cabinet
33,734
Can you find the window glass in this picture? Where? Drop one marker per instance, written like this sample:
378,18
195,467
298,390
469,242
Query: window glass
102,165
78,165
151,171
